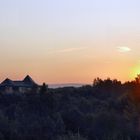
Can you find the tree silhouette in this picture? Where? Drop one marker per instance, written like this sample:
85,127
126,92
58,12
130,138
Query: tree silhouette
44,88
137,79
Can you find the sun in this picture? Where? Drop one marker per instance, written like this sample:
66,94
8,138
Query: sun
135,71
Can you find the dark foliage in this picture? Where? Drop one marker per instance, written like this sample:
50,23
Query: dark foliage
107,110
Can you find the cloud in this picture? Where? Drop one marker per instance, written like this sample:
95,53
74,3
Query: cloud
123,49
66,50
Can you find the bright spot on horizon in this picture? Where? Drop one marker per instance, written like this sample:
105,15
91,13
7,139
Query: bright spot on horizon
136,71
123,49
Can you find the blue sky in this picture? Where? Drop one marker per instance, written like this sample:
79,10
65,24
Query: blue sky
73,14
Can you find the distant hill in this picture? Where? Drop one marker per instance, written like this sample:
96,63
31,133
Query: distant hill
65,85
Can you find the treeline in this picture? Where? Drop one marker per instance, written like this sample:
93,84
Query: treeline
106,110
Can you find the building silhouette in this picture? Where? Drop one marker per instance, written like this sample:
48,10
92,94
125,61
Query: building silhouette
26,85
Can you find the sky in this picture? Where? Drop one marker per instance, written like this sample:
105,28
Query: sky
73,41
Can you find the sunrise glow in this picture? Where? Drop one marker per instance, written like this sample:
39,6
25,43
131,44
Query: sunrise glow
69,41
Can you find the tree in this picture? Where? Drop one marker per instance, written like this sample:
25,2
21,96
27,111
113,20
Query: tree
97,81
60,126
44,88
137,79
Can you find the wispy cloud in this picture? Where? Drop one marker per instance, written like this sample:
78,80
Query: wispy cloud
67,50
123,49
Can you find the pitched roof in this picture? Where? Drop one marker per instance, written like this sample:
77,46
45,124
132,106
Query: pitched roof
26,82
7,82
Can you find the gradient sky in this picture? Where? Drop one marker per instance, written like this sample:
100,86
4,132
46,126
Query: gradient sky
69,41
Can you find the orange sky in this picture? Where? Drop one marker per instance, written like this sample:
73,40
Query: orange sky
80,64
